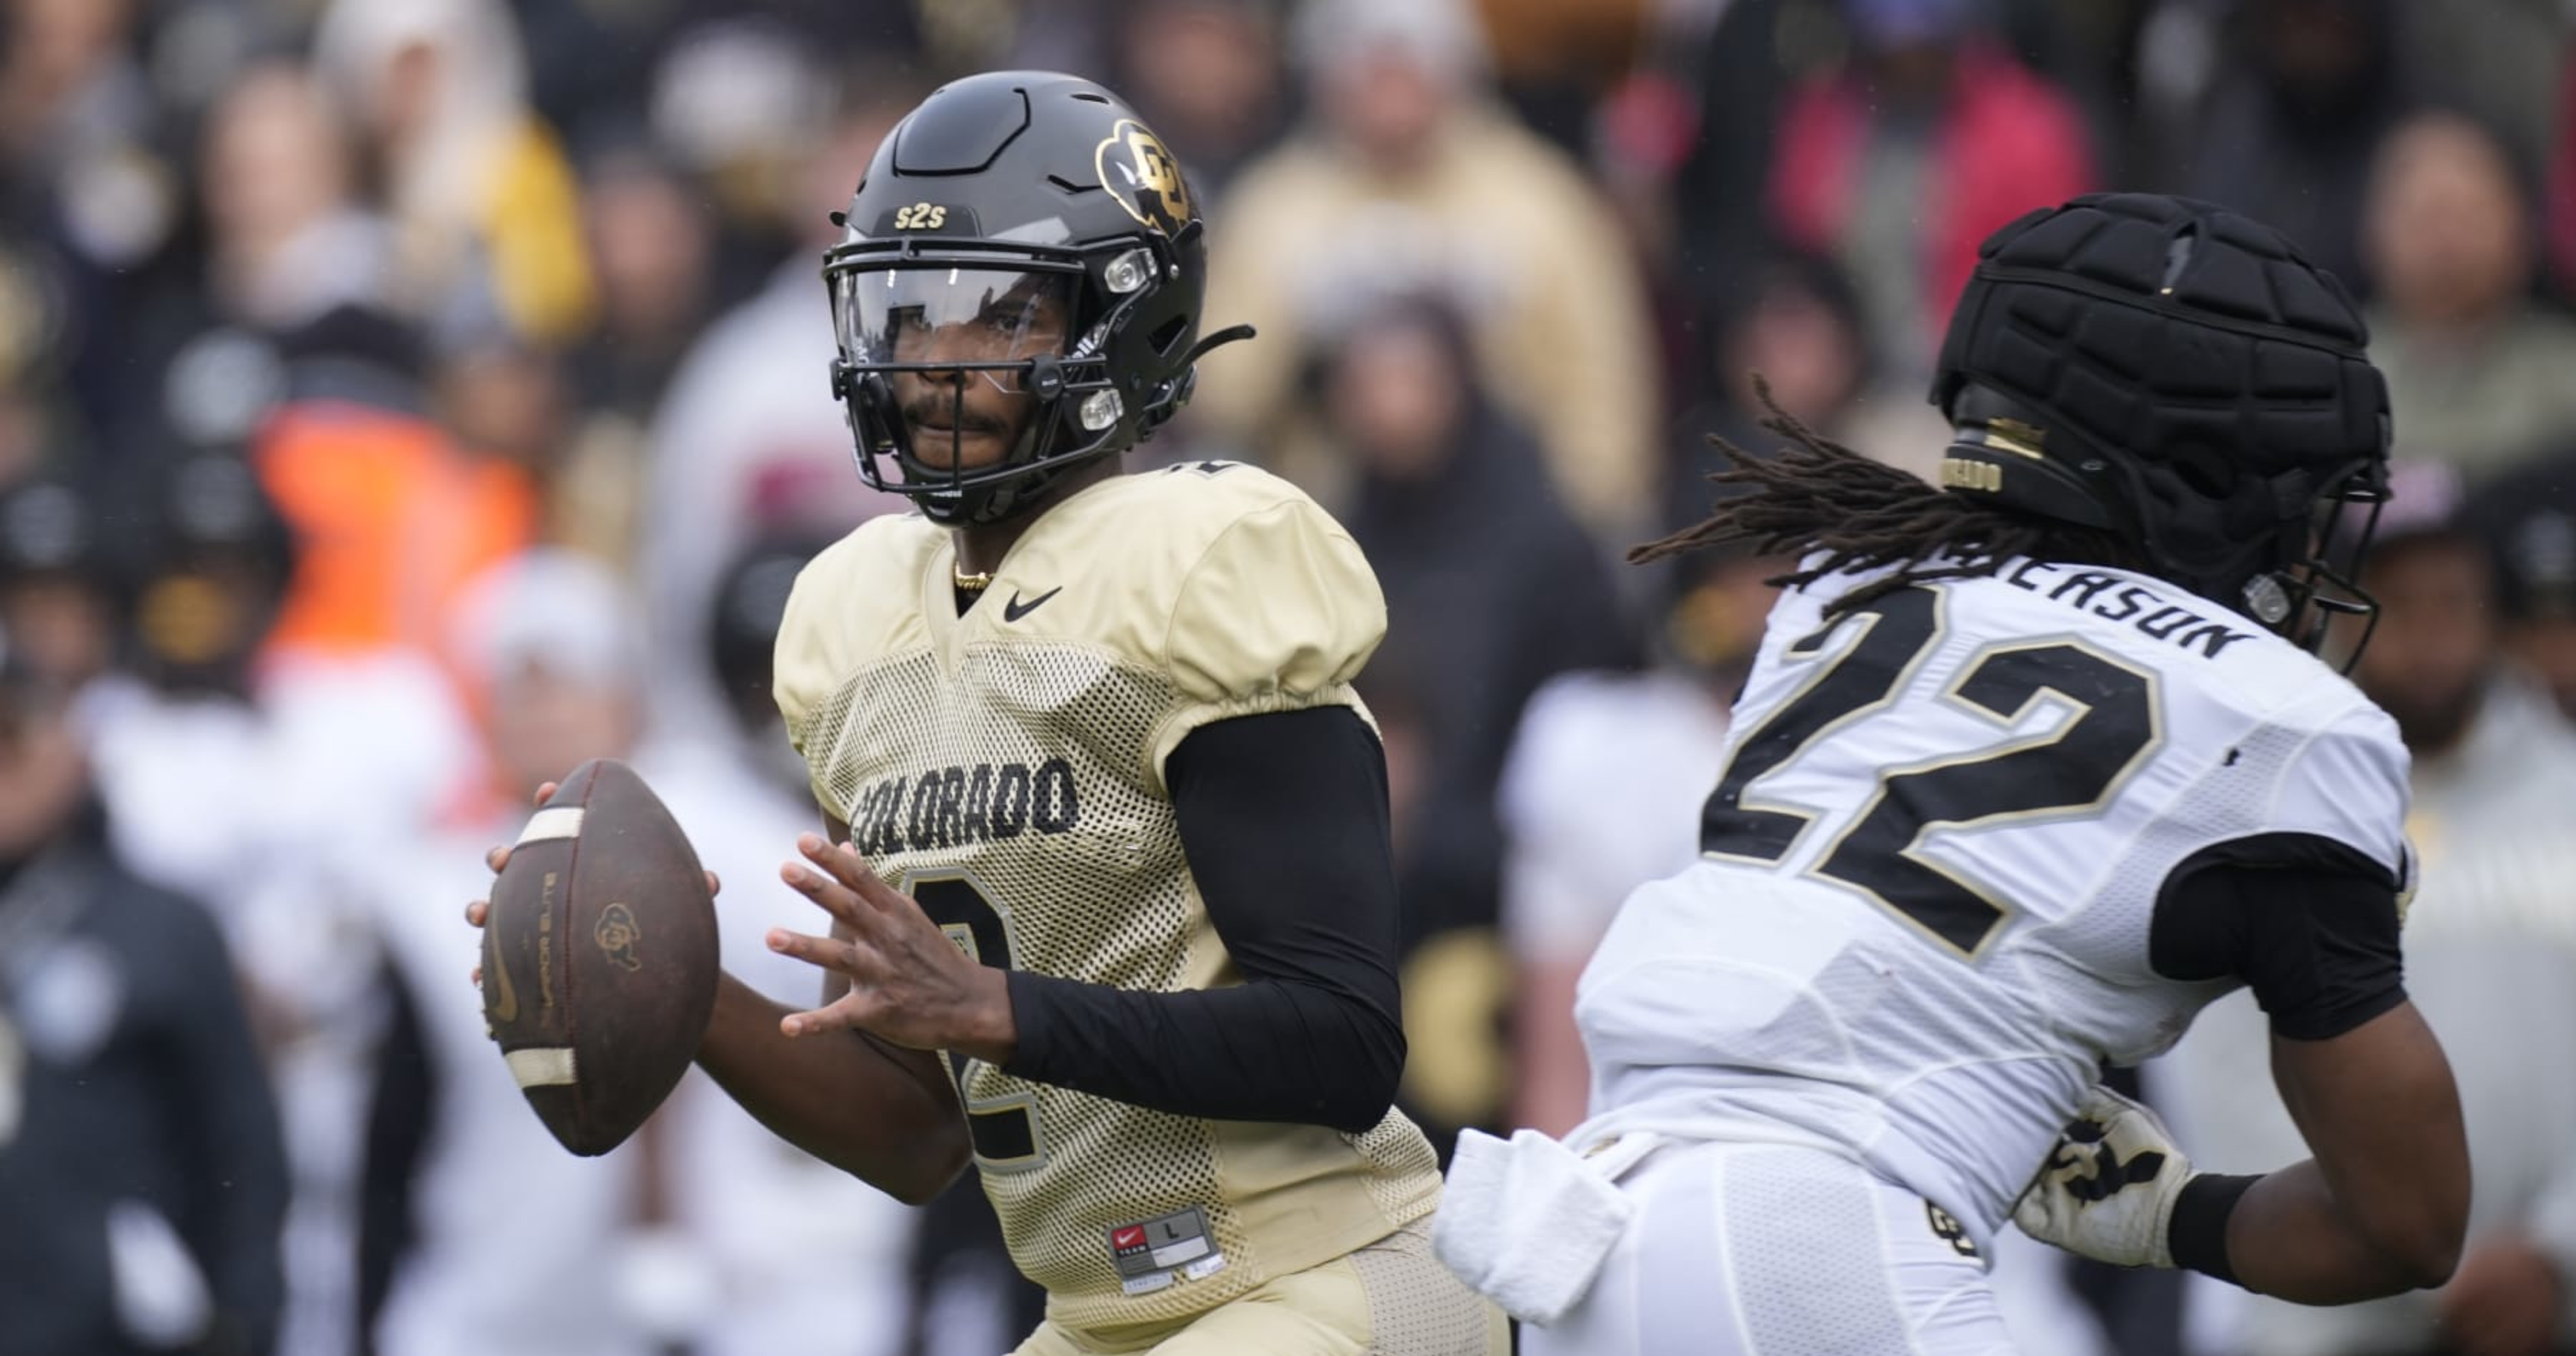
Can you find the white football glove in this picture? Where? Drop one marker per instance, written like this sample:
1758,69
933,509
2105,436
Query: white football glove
2107,1190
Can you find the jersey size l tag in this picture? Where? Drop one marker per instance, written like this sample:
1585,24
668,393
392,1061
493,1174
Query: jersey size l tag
1152,1253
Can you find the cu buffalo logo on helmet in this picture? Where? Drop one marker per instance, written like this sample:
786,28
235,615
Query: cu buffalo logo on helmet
1142,174
616,935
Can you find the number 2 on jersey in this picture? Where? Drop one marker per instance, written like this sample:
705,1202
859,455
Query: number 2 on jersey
1004,1129
2069,771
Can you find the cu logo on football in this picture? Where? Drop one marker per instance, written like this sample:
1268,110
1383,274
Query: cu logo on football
616,934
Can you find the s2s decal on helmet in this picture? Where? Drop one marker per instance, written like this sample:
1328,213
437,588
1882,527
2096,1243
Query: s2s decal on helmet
1143,175
921,216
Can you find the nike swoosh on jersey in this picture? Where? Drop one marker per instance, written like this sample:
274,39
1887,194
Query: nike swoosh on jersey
1015,609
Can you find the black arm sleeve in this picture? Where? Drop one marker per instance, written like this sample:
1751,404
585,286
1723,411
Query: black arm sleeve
2309,924
1284,818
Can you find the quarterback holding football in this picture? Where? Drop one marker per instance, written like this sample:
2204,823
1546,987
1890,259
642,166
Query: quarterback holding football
1108,869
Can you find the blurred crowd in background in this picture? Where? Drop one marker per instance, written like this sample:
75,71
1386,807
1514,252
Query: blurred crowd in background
403,400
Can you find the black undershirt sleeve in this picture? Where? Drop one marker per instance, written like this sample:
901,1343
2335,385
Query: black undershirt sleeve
1284,819
2310,925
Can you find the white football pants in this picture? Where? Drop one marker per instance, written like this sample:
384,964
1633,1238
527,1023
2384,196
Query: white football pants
1765,1250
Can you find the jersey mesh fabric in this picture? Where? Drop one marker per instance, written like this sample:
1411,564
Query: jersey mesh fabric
1417,1306
1108,901
1788,1216
2260,758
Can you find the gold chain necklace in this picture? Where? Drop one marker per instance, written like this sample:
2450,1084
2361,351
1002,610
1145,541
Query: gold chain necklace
969,583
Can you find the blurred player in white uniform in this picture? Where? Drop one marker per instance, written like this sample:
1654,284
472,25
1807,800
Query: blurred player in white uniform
805,1258
509,1245
2031,766
705,1230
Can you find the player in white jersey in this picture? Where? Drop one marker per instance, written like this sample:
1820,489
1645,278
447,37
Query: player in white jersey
2031,766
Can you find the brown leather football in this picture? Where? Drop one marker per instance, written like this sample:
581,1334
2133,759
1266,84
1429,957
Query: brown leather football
599,957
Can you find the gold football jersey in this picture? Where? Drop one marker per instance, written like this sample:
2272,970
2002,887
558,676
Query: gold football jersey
1005,768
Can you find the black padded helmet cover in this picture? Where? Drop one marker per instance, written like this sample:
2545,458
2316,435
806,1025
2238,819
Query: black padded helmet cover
2170,372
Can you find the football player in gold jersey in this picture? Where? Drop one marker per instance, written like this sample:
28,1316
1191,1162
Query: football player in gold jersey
1110,890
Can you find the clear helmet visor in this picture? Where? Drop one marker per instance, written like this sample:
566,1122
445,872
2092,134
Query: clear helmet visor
932,324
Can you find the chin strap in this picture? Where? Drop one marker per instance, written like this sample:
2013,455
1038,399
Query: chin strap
1228,335
1177,392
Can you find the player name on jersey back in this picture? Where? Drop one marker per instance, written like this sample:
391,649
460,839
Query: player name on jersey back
2121,598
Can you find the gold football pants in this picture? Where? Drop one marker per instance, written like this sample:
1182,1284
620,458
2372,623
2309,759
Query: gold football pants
1391,1298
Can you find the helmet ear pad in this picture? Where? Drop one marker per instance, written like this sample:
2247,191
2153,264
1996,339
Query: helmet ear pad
2219,524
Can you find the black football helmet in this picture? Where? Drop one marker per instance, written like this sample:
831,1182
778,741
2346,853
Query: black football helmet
2184,379
1023,230
219,558
742,626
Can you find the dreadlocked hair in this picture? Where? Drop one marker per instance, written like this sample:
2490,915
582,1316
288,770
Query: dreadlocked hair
1817,495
